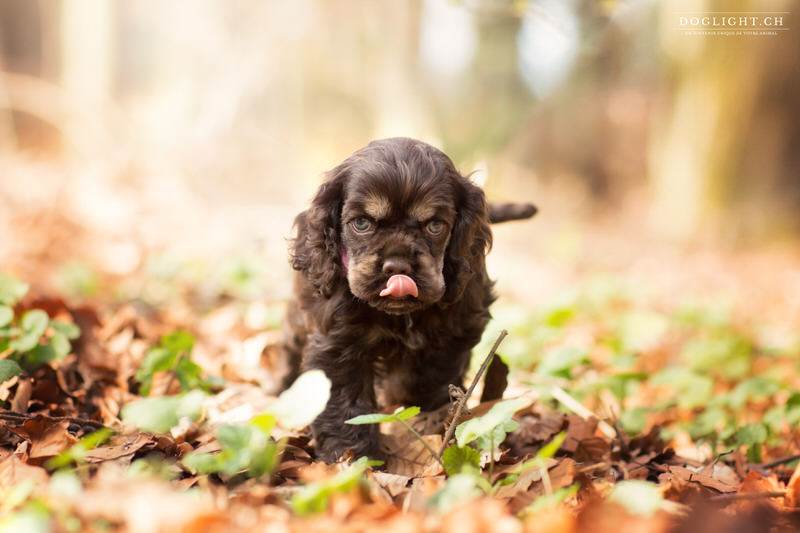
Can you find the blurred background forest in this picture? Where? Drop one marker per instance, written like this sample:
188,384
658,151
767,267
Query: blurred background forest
134,135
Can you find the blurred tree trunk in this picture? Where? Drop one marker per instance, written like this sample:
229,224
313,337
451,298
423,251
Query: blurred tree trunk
87,49
701,134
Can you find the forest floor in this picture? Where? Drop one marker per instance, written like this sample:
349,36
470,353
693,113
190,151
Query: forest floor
651,388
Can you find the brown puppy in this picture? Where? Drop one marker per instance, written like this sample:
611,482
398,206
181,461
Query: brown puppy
391,290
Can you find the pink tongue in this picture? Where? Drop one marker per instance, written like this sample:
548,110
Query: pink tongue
400,285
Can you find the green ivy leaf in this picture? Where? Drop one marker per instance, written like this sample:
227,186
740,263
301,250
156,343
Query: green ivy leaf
60,345
25,343
690,388
751,434
245,448
12,290
178,341
749,389
189,374
634,420
41,354
35,322
300,404
372,418
9,369
6,315
67,329
159,415
706,423
493,424
455,459
401,413
156,360
560,361
404,413
264,422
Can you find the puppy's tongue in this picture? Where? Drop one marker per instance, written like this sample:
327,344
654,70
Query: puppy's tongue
400,285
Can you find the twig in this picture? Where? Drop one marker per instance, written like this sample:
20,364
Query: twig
422,440
779,462
19,417
463,401
739,496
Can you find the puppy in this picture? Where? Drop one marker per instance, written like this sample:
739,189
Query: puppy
391,291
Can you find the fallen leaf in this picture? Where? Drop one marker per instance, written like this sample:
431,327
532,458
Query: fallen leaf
129,445
14,470
48,438
792,498
754,482
395,484
23,395
406,455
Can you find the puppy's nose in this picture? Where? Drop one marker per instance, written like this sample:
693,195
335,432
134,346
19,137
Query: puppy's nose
396,265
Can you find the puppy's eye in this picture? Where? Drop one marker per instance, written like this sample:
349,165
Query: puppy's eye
361,224
434,227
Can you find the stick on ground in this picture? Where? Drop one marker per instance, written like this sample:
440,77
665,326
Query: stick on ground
451,428
21,417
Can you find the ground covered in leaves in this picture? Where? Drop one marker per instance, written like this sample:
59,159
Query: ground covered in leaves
621,413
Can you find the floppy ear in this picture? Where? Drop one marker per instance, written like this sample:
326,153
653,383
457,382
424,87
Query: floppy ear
470,240
316,250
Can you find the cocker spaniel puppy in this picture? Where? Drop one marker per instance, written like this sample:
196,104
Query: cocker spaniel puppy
391,289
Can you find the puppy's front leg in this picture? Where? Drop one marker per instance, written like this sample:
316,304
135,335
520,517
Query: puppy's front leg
352,394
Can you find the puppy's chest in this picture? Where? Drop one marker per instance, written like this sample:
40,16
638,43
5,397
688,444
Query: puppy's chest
390,346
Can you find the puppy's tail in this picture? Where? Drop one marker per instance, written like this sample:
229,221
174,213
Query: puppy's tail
504,212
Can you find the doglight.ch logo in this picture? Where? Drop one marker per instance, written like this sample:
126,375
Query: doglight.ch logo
733,23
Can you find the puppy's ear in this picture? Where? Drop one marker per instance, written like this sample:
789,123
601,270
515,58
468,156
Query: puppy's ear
470,240
316,250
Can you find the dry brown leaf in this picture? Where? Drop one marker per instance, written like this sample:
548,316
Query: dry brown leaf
604,517
524,482
23,395
754,482
124,446
481,516
578,429
14,470
690,476
593,450
406,455
541,429
395,484
48,438
792,498
551,520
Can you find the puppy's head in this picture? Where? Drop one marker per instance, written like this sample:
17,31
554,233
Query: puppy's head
398,224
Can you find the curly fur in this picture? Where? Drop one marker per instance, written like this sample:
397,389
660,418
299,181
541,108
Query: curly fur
379,351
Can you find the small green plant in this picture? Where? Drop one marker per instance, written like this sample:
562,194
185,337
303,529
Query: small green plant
247,448
31,338
76,454
400,415
250,449
466,482
314,497
489,430
478,434
174,355
162,413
